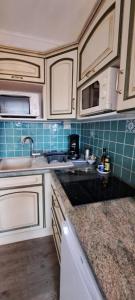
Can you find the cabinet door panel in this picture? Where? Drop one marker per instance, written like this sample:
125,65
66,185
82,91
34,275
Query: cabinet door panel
21,67
61,85
61,76
102,37
100,43
20,208
126,90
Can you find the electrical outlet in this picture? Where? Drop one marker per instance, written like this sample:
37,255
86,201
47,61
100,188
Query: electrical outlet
67,125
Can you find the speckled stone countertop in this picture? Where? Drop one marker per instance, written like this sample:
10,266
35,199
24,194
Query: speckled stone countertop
106,232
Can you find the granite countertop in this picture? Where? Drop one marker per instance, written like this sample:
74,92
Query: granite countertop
106,232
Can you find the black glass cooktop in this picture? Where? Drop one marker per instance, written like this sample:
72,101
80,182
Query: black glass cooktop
89,187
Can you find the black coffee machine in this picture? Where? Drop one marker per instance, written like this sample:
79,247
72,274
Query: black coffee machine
73,152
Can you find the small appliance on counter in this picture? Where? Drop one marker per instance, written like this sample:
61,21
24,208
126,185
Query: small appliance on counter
73,152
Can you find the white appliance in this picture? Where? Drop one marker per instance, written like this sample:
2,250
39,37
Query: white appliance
77,281
99,94
20,104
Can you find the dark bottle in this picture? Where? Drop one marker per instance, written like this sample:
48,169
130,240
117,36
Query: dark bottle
103,157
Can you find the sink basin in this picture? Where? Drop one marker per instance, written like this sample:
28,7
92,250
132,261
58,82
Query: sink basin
27,163
16,163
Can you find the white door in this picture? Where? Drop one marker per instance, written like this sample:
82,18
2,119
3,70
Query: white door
21,208
61,85
126,81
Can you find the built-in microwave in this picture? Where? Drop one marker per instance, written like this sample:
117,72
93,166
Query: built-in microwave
20,104
99,94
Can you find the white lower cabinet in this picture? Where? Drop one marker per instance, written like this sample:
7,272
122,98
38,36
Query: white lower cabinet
25,207
21,208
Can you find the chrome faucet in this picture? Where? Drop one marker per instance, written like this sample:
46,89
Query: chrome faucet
31,142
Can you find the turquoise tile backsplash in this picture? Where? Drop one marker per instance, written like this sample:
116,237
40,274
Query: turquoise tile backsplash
119,139
46,136
117,136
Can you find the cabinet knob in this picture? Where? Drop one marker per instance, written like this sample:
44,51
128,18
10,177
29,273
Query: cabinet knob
89,72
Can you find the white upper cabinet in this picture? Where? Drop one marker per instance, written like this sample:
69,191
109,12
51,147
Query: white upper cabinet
100,43
126,80
21,67
61,85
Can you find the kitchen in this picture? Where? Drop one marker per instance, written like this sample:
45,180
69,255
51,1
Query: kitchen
64,97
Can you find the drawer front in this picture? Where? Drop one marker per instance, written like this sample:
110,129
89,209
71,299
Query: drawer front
57,219
58,201
57,212
57,239
12,182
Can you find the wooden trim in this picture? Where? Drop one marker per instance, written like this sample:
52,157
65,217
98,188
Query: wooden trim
62,50
120,26
51,66
21,51
41,54
23,227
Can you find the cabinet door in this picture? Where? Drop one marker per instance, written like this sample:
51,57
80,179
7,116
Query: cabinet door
126,82
100,43
21,67
21,208
61,85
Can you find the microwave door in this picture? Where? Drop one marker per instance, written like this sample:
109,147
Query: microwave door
14,105
90,99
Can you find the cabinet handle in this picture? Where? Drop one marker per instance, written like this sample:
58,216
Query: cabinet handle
73,104
16,77
89,72
118,81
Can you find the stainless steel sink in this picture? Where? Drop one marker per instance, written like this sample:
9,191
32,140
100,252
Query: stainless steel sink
16,163
29,163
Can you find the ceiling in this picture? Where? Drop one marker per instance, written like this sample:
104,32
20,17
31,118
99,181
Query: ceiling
42,24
